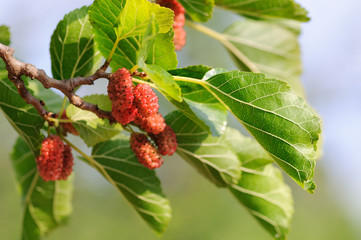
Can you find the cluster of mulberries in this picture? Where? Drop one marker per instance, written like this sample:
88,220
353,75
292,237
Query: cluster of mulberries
139,104
55,161
147,153
178,25
134,103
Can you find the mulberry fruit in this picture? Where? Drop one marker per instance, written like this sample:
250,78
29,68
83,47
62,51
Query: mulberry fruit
152,124
179,38
126,116
166,141
178,23
145,100
68,126
50,162
145,151
120,92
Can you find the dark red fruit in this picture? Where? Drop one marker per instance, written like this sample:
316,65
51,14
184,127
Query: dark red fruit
179,38
178,23
145,100
145,151
120,92
126,116
166,141
152,124
55,160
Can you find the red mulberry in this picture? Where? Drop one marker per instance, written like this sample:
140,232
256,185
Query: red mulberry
120,89
50,162
145,151
179,38
179,19
126,116
145,100
68,126
152,124
166,141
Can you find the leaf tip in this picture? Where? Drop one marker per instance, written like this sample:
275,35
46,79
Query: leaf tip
310,186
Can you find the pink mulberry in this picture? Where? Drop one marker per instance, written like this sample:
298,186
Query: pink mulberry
152,124
166,141
145,100
145,151
50,162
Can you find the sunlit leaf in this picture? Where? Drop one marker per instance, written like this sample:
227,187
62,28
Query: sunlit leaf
147,41
135,15
104,18
72,47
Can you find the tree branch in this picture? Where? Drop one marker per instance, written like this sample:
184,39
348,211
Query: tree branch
17,68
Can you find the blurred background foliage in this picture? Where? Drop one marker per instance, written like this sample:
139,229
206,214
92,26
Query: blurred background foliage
201,210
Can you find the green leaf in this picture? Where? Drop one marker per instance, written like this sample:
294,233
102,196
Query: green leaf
211,156
4,39
263,192
278,119
72,47
4,35
164,81
271,48
47,205
261,189
199,105
266,8
53,102
157,49
139,185
134,18
147,41
194,71
16,110
200,10
91,128
249,152
163,52
104,16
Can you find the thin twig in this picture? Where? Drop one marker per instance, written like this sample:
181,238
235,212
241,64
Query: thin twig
17,68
